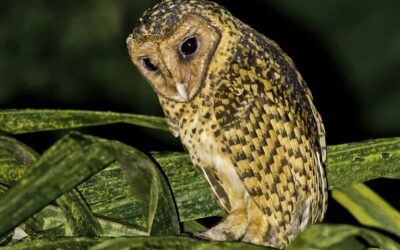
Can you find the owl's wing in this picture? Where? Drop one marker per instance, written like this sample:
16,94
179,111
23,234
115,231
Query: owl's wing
273,135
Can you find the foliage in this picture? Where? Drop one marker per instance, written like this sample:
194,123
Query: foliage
102,194
67,54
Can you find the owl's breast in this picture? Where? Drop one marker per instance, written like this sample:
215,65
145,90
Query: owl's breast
200,136
197,136
199,131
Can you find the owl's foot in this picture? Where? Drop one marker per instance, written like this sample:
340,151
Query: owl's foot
214,234
257,228
232,228
259,231
254,238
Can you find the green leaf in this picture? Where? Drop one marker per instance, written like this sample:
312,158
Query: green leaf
14,161
66,243
368,207
146,181
35,120
325,236
43,182
68,163
108,195
193,226
137,196
352,163
46,221
10,146
146,207
171,242
104,243
192,193
15,157
78,214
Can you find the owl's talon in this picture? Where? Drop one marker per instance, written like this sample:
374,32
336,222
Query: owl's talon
200,236
253,240
213,234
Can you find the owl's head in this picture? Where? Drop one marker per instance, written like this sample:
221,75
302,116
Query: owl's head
174,43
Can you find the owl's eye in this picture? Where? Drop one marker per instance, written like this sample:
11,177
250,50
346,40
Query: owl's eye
147,64
189,47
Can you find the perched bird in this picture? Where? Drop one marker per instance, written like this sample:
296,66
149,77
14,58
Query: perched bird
244,114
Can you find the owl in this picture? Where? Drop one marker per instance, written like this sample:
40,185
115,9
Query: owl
244,114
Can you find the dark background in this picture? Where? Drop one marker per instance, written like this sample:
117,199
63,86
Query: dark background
72,55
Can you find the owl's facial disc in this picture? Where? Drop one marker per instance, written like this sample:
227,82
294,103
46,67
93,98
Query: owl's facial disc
176,65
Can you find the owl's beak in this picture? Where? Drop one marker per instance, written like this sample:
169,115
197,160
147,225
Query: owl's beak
182,91
182,88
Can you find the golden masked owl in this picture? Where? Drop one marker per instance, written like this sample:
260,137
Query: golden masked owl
244,114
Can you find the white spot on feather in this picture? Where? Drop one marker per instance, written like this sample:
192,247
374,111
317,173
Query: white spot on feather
217,163
321,171
305,215
207,154
227,172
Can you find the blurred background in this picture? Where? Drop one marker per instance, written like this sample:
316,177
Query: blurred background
72,55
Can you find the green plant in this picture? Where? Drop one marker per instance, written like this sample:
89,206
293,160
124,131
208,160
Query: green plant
88,192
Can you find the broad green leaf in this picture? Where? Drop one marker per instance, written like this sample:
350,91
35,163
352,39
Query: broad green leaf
15,157
193,195
35,120
47,219
352,163
154,214
64,243
117,195
104,243
66,164
368,207
14,162
11,169
144,177
337,237
111,228
78,214
193,226
59,170
172,242
393,176
108,195
10,146
51,221
4,239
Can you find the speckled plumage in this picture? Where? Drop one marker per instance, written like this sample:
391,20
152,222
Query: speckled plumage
247,119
